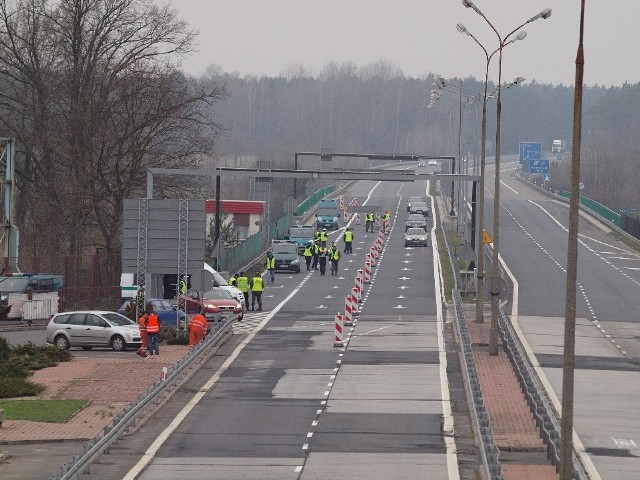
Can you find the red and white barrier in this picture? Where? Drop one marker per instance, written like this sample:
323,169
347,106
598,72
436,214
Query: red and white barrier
367,270
360,282
165,374
345,215
338,342
348,311
357,219
373,255
341,203
354,302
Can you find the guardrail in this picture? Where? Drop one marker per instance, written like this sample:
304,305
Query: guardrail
81,462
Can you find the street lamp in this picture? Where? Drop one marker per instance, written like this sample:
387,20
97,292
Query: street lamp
493,337
480,251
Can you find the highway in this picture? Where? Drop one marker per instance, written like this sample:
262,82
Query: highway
533,244
281,401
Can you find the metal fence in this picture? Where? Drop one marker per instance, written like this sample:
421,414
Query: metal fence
310,202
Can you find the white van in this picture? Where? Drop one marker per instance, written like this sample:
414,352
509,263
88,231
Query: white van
219,281
556,146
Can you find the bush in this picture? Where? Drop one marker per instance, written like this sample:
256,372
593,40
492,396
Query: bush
36,357
171,336
18,387
5,349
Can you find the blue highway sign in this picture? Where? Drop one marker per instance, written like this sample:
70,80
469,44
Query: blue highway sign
530,150
538,166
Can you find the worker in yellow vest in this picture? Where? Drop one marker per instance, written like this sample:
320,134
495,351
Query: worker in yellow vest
256,291
243,285
308,253
270,265
369,218
334,257
348,240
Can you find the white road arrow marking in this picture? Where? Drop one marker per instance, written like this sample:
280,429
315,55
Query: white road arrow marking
406,261
401,296
404,278
329,296
405,269
322,306
403,287
399,306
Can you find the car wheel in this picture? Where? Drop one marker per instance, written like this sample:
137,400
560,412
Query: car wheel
118,343
87,348
61,342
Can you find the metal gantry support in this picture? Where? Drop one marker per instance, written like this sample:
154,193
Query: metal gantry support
10,234
183,243
143,212
260,189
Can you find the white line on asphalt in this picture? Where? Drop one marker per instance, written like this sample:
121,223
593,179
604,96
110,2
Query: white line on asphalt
151,452
517,193
447,427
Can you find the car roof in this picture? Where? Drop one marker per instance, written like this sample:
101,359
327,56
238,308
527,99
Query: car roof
414,216
96,312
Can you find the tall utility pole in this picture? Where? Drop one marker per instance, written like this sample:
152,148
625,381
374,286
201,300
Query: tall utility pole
10,233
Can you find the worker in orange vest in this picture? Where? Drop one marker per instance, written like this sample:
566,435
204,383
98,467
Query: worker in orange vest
142,325
197,329
153,328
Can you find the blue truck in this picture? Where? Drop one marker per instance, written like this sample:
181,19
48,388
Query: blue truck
327,214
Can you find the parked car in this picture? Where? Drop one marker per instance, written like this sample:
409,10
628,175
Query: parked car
411,200
420,207
219,281
415,220
92,328
286,254
433,162
218,304
195,300
164,309
422,164
27,282
416,236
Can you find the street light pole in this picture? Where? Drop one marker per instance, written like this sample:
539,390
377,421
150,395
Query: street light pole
566,427
493,333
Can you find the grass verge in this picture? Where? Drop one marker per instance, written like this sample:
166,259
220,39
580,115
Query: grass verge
52,411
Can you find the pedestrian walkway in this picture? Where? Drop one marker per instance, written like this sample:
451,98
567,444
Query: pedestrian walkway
522,452
108,382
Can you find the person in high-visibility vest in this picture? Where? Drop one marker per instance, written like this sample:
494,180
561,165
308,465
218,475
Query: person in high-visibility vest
322,235
183,285
153,328
368,221
334,256
385,220
348,240
243,286
316,254
322,259
198,327
256,291
308,254
142,326
233,280
270,265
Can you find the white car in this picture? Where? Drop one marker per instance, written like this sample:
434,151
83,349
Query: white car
92,328
433,162
219,281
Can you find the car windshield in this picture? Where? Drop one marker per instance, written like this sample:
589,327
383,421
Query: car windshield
117,319
416,217
327,212
284,248
419,205
415,231
414,199
14,284
300,232
217,295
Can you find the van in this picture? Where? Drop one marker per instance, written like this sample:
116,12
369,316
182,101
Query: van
29,282
556,146
327,214
285,253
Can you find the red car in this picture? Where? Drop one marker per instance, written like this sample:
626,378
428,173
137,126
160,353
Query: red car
217,304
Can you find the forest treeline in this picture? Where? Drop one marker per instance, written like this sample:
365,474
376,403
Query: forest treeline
376,109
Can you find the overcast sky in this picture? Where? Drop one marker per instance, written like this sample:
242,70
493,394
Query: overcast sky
264,37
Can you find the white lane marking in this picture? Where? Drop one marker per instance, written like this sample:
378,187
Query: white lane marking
151,452
447,426
517,193
298,469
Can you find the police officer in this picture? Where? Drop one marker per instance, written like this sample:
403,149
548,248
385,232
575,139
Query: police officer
270,265
316,254
256,291
308,253
368,223
243,286
385,220
234,280
348,240
183,285
322,235
334,257
322,258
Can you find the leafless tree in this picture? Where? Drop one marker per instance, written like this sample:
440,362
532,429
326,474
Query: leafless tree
94,97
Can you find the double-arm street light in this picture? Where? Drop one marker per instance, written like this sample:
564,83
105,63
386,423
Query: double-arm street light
502,41
480,251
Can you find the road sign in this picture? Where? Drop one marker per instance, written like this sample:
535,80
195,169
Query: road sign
547,177
538,166
530,150
486,238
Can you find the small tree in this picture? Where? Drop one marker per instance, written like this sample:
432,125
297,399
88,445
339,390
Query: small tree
228,236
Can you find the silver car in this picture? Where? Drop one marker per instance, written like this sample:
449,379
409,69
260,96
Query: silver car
416,236
415,220
92,328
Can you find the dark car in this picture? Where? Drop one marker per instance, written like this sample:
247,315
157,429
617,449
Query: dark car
286,254
164,309
415,220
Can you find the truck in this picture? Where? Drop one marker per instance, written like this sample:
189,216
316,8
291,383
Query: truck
302,235
556,146
327,214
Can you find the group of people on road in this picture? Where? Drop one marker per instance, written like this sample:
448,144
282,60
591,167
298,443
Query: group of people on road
370,218
255,285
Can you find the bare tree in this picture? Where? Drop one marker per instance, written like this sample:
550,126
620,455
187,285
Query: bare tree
94,97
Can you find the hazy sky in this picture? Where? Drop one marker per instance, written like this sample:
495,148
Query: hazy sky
264,37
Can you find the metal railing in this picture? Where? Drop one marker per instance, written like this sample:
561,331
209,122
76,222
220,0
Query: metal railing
80,463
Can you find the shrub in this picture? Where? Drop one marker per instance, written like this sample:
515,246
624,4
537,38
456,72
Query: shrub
5,349
171,336
18,387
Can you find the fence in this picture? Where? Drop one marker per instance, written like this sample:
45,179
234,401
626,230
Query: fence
310,202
